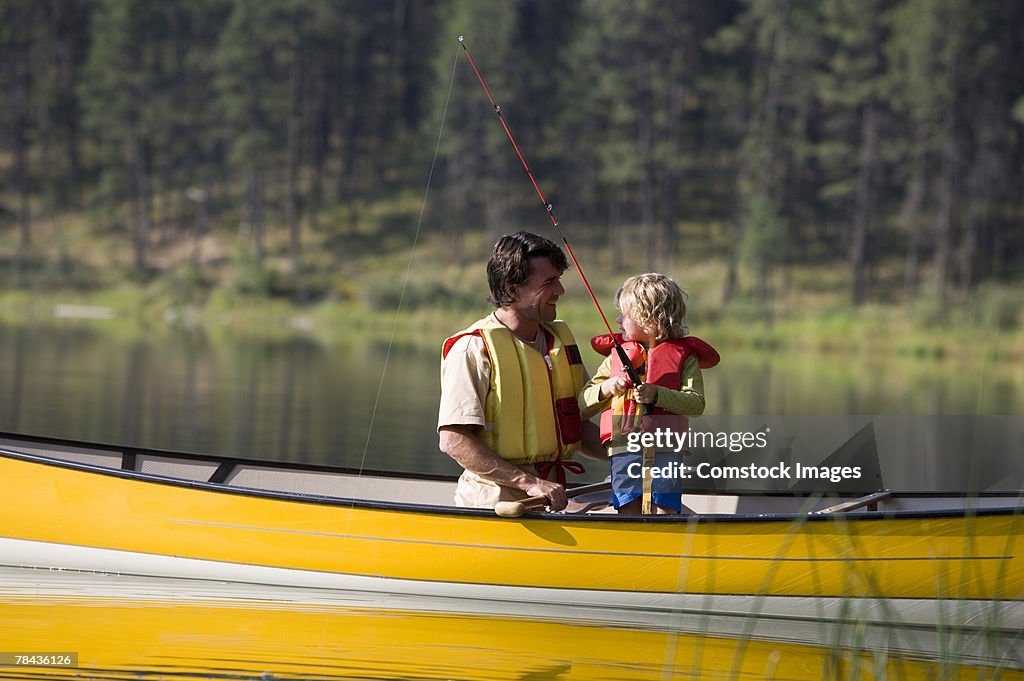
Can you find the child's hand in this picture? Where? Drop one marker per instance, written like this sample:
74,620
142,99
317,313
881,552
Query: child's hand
616,385
646,393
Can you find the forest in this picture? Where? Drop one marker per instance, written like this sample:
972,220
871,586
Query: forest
142,139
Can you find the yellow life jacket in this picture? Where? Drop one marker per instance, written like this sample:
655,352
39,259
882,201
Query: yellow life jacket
531,408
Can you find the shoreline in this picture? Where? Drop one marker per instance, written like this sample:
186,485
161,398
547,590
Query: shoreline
871,330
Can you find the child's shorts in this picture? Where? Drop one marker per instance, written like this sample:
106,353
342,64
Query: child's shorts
667,491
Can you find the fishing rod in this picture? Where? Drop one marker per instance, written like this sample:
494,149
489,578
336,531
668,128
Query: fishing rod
627,364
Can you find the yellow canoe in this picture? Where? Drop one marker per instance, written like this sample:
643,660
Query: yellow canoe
910,558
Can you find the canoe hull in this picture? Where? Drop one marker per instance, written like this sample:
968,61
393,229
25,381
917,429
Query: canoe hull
969,556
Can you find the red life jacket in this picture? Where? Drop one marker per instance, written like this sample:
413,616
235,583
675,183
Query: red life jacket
663,366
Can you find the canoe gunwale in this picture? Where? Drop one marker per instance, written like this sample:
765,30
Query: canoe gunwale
418,508
132,450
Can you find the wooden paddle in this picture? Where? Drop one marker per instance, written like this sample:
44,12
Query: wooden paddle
514,509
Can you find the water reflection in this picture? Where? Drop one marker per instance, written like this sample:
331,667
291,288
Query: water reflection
125,627
301,399
292,399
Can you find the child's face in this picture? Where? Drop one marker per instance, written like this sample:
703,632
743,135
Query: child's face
631,330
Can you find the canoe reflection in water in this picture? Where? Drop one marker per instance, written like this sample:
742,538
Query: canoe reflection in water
144,627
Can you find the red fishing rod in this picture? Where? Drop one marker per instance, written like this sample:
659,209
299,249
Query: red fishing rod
623,357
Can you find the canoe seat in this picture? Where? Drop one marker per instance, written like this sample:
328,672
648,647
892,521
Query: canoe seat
107,458
869,500
343,485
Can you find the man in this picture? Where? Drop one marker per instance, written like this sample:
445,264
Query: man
509,384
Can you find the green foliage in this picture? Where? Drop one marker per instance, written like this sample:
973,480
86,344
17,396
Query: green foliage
764,229
997,309
861,132
254,279
1018,110
248,82
393,292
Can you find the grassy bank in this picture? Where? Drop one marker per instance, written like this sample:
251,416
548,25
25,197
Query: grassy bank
420,300
367,278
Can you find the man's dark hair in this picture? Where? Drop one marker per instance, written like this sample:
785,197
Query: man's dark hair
509,264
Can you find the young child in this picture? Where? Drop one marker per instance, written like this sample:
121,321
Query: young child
652,319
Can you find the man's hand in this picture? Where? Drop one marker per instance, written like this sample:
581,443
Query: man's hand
554,492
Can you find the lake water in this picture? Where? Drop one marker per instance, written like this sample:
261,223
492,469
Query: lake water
935,425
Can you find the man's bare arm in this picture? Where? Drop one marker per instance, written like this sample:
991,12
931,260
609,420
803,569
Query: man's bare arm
464,445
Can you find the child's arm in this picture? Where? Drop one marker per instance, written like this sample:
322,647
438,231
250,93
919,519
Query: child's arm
591,400
689,399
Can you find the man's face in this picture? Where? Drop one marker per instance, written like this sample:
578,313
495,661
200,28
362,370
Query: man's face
536,298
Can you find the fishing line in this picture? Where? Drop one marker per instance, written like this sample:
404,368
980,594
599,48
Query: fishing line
533,179
408,269
634,377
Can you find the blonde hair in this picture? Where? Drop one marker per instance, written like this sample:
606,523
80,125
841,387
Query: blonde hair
656,303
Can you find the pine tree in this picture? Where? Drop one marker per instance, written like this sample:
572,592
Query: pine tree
780,42
854,117
253,96
19,29
125,100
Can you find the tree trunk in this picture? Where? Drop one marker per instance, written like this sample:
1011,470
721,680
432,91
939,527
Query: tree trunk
20,133
757,179
349,120
72,52
985,183
998,253
201,198
320,147
670,216
864,204
910,215
254,181
969,241
615,228
673,170
294,136
647,219
645,147
944,216
732,275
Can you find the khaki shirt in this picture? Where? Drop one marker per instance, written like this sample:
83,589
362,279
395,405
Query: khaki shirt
465,380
